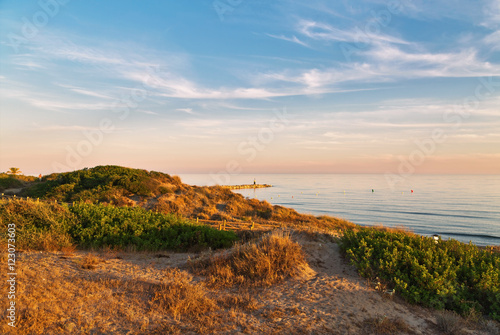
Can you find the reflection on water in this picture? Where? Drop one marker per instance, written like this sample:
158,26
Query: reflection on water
465,207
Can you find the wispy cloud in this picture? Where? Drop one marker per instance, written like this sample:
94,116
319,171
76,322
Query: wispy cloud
292,39
493,40
387,62
187,110
326,32
147,112
90,93
492,14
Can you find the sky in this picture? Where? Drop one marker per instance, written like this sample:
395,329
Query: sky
237,86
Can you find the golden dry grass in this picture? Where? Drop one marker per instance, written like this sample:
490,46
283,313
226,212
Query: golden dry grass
52,301
56,296
382,325
449,322
178,295
271,259
91,261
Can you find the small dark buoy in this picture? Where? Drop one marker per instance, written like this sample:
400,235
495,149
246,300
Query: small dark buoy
373,190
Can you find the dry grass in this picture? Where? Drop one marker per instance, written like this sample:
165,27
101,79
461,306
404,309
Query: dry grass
69,250
91,261
52,301
384,325
56,297
243,300
178,296
271,259
449,322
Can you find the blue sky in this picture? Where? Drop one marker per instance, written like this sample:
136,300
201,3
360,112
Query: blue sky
245,86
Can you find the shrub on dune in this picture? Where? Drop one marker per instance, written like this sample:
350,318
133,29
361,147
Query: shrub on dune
271,259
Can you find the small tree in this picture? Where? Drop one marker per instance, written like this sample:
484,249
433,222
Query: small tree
14,171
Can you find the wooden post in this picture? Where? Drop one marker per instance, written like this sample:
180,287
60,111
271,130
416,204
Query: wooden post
253,226
196,219
224,224
220,226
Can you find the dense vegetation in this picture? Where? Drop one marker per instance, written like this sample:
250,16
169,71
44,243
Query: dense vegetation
50,226
13,181
447,274
102,225
103,183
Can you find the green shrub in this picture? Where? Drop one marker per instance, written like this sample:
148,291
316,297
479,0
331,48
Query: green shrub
50,226
100,182
106,225
9,181
449,274
38,225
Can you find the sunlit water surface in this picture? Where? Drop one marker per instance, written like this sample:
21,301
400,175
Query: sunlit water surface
462,207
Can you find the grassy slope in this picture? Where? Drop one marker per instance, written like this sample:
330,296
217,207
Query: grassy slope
166,194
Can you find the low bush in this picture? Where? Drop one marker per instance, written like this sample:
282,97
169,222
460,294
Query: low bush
449,322
106,225
448,274
50,226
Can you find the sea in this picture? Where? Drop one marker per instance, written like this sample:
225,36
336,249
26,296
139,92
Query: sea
461,207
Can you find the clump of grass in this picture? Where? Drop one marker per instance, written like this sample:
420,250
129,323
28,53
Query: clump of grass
449,322
90,261
385,325
178,295
69,250
271,259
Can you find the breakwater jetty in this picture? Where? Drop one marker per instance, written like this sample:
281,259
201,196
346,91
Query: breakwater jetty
249,186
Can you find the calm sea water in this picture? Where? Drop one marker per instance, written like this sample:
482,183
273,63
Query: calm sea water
462,207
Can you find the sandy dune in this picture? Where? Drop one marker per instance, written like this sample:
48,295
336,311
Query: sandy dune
113,296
